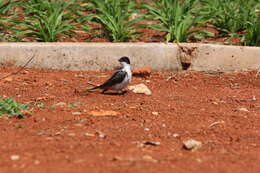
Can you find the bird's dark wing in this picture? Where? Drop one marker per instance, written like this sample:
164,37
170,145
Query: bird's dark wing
117,77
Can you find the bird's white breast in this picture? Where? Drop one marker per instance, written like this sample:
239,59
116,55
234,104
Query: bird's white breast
126,80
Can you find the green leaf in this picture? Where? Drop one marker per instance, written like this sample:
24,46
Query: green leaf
11,108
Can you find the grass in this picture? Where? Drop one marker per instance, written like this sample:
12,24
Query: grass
252,36
47,20
10,108
56,20
175,18
114,16
228,16
6,22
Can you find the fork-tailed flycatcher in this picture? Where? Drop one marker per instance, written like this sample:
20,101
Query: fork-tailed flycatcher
120,79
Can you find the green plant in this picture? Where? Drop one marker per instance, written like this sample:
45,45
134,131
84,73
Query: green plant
48,20
175,18
4,9
11,108
114,15
74,104
252,36
6,21
228,16
19,126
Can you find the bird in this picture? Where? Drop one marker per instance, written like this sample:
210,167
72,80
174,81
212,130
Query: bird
120,79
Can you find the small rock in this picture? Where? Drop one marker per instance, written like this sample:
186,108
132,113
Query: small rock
142,71
149,159
8,79
176,135
79,75
89,134
15,157
78,125
103,113
199,160
101,134
140,89
61,104
155,113
243,109
27,113
146,129
192,144
57,133
76,113
36,162
71,134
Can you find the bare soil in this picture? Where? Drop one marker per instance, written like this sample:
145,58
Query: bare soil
146,134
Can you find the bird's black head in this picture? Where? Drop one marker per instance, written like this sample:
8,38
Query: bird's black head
124,59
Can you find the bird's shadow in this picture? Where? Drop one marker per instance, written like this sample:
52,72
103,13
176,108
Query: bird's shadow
86,93
115,93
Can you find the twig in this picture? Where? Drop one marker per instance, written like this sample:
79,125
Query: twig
215,123
92,84
170,77
19,69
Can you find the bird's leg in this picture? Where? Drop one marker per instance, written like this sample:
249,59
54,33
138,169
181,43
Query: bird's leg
122,92
103,92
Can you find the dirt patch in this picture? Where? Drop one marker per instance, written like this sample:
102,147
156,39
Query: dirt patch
144,134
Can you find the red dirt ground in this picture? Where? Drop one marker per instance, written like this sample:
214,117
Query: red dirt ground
195,105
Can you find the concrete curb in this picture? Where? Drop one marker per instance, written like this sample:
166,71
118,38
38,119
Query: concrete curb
226,58
103,56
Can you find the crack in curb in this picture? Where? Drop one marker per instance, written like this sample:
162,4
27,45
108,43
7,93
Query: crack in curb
186,54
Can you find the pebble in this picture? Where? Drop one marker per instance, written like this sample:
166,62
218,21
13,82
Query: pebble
146,129
78,125
176,135
71,134
243,109
155,113
76,113
192,144
101,134
89,134
140,89
36,162
149,158
103,113
61,104
14,157
9,79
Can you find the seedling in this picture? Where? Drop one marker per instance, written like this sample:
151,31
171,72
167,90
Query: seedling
252,36
74,104
19,126
175,18
47,20
114,15
10,108
6,19
229,16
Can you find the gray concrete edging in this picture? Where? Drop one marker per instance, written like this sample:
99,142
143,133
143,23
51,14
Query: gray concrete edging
103,56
